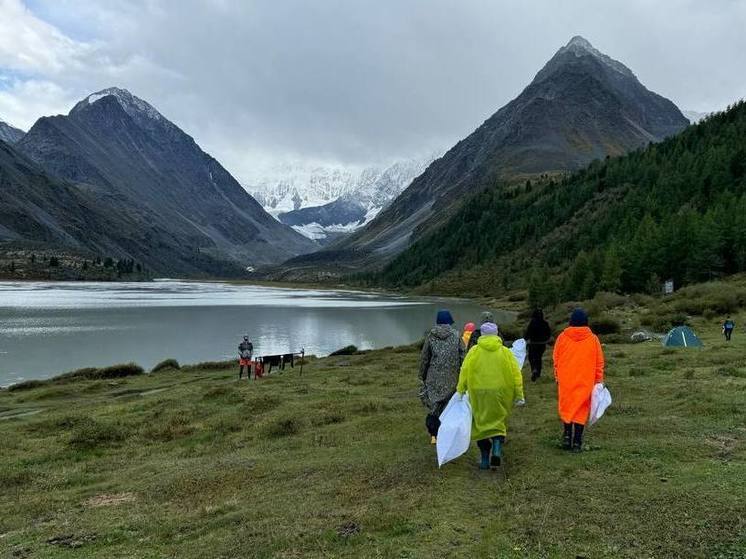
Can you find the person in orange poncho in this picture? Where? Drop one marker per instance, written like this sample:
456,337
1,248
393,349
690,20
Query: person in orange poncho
578,366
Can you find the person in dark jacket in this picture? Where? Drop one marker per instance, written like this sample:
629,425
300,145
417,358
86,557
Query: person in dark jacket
537,337
245,352
484,319
728,327
440,363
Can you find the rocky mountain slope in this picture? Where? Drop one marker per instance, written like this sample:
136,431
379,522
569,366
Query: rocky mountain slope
581,106
10,134
181,204
674,210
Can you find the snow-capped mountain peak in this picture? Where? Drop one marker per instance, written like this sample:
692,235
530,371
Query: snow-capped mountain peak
580,46
132,105
323,203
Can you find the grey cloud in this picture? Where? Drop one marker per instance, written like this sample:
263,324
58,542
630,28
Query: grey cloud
367,81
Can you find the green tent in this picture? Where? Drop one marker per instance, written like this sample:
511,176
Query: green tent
682,336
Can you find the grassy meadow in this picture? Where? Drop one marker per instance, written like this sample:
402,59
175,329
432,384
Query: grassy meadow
337,463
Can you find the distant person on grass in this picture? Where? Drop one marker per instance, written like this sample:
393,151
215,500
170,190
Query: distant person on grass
245,352
491,375
578,366
728,327
485,317
440,363
537,337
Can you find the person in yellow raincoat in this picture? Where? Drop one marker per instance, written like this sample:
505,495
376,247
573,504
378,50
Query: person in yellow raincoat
491,376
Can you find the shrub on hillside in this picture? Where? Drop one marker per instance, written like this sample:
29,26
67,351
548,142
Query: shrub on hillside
27,385
283,427
168,428
87,373
166,364
347,350
713,297
604,324
662,320
90,433
227,394
411,348
91,373
261,404
211,366
119,371
604,301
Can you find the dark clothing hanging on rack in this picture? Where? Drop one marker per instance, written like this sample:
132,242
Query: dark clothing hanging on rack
288,358
271,361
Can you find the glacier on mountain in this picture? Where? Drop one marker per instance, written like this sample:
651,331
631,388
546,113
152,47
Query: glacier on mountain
324,203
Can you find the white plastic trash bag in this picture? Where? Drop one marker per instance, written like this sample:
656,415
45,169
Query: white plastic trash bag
600,400
519,351
454,435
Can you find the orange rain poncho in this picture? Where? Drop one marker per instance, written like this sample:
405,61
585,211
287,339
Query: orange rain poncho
578,366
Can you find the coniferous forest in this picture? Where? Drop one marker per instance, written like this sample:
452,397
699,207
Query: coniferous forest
674,210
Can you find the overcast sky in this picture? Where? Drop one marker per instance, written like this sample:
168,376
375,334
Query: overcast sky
351,82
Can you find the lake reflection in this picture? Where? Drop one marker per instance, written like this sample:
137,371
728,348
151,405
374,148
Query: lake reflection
48,327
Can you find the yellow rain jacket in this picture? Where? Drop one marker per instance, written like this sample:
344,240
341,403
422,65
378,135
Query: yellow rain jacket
491,375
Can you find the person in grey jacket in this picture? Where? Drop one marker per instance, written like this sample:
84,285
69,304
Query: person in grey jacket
440,364
245,353
484,319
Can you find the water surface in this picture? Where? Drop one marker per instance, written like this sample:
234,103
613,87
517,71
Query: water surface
50,327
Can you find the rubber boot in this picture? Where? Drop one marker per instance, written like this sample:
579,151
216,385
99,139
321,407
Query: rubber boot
577,440
567,437
497,452
484,464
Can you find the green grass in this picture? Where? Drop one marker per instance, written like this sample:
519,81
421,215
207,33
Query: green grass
336,463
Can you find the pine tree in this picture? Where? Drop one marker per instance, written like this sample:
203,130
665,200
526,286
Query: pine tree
611,276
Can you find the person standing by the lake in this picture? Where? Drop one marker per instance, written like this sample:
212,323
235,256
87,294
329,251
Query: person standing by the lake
440,363
493,379
728,327
486,317
578,366
245,352
537,337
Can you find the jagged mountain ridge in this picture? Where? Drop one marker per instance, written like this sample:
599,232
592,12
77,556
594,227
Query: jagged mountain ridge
328,202
581,106
115,145
288,187
10,134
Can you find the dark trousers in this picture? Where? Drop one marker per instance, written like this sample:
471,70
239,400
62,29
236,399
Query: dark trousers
728,333
573,435
485,445
432,421
535,354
